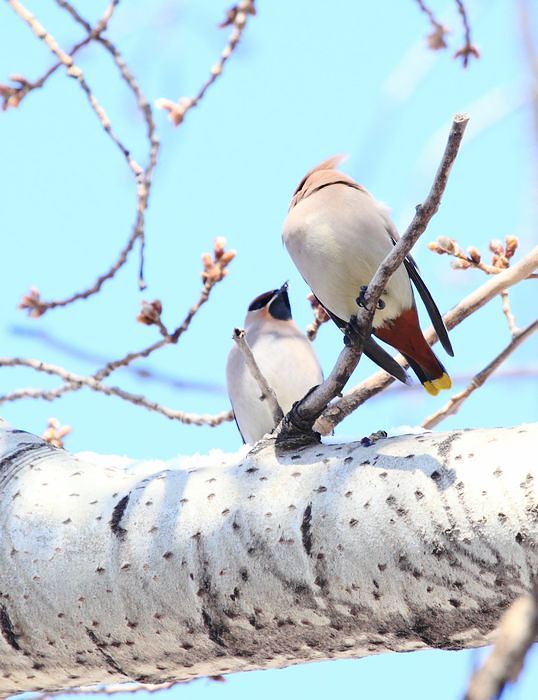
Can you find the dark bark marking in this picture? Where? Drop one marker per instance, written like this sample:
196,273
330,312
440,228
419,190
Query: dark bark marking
117,514
306,530
215,630
14,456
99,646
6,628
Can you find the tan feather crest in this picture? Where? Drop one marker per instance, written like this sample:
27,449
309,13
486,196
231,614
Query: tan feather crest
324,172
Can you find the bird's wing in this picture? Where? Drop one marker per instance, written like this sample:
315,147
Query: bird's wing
412,271
239,429
375,352
429,303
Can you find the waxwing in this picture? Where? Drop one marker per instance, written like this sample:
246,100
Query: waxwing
337,235
284,356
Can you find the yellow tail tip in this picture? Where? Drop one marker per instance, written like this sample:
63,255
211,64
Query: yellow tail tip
430,388
434,386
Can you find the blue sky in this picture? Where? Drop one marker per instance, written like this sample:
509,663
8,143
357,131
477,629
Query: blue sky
308,80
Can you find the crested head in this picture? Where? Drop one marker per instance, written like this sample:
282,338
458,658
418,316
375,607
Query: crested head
274,304
322,175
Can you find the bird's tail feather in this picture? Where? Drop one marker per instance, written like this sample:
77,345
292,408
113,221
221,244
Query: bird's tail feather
433,381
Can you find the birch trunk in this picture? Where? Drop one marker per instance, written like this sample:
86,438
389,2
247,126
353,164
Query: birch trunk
112,570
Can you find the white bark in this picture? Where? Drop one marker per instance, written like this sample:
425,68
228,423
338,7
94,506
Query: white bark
112,570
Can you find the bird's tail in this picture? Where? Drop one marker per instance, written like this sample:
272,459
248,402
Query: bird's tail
404,334
434,378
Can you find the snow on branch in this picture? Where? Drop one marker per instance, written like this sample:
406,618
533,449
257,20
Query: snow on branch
116,571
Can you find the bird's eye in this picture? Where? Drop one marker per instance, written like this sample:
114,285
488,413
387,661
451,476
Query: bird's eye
262,300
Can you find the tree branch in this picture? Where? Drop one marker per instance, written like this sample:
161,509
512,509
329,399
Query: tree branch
267,392
299,421
517,631
143,177
454,403
237,17
158,572
339,409
77,381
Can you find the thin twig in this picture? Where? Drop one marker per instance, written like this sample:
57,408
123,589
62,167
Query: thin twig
237,17
299,421
37,306
75,72
13,95
454,403
502,255
342,407
320,317
146,110
517,631
215,270
468,49
520,372
436,40
95,385
83,353
510,318
267,393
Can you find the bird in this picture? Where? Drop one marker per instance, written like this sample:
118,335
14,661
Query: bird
284,356
337,235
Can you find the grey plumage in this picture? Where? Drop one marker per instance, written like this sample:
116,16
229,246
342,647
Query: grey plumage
284,356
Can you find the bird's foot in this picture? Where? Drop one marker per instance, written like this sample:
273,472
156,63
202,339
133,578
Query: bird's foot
361,301
373,438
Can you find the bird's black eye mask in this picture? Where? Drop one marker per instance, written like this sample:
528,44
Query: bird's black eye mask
262,300
277,302
280,308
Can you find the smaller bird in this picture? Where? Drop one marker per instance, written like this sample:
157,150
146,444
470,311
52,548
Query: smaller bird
284,356
337,235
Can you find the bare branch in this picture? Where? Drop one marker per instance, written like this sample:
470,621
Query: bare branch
37,306
13,95
75,72
468,49
342,407
517,631
299,421
267,392
436,40
236,16
320,317
453,405
144,372
510,318
77,381
215,270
